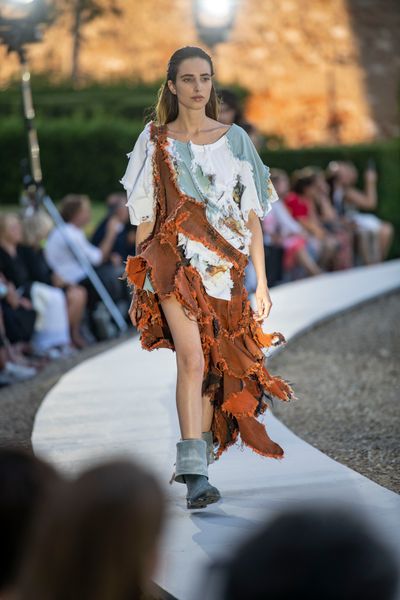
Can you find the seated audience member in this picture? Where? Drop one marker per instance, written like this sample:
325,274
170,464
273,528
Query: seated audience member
14,366
18,316
310,553
11,369
36,229
301,205
231,111
124,243
282,229
99,539
330,219
26,484
51,334
75,209
374,236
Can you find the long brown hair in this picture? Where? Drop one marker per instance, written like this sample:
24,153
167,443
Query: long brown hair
98,538
166,108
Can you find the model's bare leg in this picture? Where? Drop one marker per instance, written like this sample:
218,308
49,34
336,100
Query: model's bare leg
190,364
208,413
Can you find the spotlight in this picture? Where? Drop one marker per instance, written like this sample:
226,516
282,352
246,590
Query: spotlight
214,19
21,22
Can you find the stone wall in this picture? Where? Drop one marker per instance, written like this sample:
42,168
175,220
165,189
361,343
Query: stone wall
318,71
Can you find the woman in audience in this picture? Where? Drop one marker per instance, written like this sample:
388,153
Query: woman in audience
18,317
374,236
99,539
51,334
36,229
282,229
231,111
18,322
331,221
300,202
75,209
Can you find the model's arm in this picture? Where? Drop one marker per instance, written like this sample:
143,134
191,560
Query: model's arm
263,299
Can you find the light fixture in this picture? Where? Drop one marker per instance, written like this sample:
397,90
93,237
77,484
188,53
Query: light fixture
214,19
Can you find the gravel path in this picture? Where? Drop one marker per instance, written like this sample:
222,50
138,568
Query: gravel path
346,375
347,378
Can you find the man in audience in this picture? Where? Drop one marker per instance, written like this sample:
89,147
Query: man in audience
125,239
75,209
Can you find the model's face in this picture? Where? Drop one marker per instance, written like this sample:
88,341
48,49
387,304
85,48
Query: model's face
193,79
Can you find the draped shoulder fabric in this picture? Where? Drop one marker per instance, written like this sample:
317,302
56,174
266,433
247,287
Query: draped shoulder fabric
198,197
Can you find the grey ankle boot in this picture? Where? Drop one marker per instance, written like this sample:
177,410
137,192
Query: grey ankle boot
207,436
191,468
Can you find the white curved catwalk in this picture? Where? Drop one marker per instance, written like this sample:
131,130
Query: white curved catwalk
123,401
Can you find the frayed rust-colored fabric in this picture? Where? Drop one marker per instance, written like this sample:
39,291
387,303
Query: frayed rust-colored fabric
235,377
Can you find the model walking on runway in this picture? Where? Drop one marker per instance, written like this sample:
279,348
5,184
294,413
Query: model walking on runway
196,189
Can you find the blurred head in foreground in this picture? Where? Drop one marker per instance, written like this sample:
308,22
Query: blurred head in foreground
98,540
313,553
26,483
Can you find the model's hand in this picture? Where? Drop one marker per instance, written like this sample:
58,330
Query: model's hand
264,302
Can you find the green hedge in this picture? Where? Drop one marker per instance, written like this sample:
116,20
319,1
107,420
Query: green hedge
76,155
89,156
123,101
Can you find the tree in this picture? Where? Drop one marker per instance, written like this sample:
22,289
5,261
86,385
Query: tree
82,12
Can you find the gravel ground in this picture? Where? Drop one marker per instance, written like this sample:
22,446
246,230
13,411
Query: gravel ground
346,376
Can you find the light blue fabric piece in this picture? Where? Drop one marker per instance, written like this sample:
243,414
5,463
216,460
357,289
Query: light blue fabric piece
242,148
